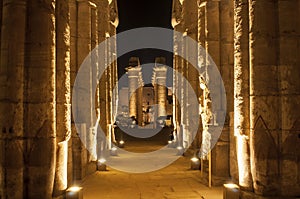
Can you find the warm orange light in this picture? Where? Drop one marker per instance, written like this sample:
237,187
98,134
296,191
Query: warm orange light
102,161
231,186
194,159
74,189
121,142
179,148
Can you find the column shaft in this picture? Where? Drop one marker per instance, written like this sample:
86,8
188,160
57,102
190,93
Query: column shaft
40,97
63,95
289,70
241,91
13,28
264,96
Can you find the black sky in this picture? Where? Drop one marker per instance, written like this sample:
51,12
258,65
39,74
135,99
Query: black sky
144,13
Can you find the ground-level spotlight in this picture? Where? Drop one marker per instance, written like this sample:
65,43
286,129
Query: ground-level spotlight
195,163
74,192
101,164
114,151
180,150
231,191
170,144
121,144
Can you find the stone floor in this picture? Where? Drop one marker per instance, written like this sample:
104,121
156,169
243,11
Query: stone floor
175,181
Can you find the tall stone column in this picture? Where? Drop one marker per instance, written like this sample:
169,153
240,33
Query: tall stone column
264,96
63,95
12,144
241,92
176,20
83,48
289,87
140,100
133,76
103,28
160,71
190,19
40,101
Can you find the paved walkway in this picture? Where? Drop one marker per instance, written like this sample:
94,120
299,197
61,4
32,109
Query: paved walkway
175,181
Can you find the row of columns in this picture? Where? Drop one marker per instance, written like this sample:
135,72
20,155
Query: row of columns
265,123
42,47
208,23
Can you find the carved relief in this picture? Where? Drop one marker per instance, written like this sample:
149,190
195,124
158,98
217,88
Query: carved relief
113,13
176,12
266,159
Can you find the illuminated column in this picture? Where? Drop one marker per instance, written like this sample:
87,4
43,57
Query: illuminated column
63,95
265,109
160,71
176,20
12,144
190,19
40,101
140,100
241,92
83,48
114,22
289,87
103,27
133,84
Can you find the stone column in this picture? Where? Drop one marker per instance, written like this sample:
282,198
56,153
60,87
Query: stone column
40,101
133,76
160,71
76,145
12,146
190,18
83,47
265,109
176,20
140,100
103,28
241,92
63,95
289,87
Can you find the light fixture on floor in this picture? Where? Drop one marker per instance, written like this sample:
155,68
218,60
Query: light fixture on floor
231,191
195,163
170,144
114,151
74,192
180,150
121,144
101,164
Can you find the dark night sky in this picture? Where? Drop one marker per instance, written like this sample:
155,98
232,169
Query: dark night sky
144,13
